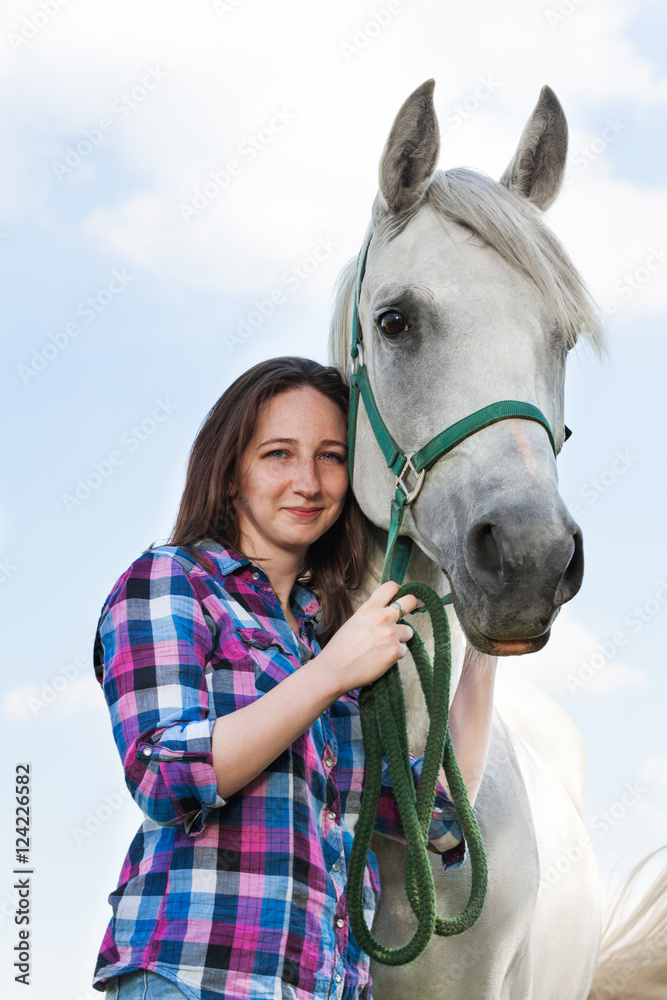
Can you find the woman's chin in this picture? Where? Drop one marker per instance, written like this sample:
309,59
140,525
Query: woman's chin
308,528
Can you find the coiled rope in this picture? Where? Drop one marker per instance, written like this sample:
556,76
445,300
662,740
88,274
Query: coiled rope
384,729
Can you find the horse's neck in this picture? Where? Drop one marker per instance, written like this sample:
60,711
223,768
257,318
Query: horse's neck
421,568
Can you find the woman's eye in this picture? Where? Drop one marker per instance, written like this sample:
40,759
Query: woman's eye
277,451
392,323
333,454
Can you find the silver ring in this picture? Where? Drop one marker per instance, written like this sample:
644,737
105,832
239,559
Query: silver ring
399,607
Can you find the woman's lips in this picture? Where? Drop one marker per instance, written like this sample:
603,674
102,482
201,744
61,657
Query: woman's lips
304,512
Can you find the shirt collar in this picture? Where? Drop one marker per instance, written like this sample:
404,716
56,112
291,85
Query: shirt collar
228,560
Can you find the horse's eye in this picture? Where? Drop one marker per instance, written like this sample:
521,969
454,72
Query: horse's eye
392,323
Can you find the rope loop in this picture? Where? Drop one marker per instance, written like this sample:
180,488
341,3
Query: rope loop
384,731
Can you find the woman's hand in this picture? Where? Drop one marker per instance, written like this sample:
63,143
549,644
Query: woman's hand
370,641
246,740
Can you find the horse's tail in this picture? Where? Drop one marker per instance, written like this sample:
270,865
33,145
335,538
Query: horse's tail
633,955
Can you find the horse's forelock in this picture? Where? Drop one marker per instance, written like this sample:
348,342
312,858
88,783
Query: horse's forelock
516,229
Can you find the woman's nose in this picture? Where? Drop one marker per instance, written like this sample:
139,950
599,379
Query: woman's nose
305,478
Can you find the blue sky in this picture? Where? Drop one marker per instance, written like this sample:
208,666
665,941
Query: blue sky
166,292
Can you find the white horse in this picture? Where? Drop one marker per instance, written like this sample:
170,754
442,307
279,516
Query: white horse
467,299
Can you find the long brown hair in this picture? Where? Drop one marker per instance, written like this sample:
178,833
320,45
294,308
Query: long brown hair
335,562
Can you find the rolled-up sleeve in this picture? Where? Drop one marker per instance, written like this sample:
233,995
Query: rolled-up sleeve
444,827
153,641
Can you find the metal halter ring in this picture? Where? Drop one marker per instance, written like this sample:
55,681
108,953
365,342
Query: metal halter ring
399,607
358,359
410,495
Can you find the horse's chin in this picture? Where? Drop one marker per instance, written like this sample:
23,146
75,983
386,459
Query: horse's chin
505,647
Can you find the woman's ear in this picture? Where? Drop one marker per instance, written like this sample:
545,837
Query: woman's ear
239,499
233,488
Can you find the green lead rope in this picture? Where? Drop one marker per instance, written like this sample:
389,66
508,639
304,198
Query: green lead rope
384,730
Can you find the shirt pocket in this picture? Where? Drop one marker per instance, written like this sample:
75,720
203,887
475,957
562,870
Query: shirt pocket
273,661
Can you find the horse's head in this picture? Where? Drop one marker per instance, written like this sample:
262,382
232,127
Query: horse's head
468,299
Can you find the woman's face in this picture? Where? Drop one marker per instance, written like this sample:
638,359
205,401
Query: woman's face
294,472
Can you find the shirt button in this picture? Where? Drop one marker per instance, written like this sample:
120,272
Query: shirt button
329,762
338,978
340,923
147,751
331,815
336,866
255,575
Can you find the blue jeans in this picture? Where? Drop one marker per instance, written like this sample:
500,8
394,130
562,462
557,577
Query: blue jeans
142,984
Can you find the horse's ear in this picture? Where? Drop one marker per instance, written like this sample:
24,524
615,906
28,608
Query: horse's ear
411,151
537,168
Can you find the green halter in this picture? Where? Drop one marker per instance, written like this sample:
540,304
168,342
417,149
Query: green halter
382,705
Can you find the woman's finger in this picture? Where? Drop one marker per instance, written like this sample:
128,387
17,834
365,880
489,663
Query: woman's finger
408,602
383,594
406,632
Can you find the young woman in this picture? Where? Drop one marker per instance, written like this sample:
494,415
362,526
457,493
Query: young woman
231,663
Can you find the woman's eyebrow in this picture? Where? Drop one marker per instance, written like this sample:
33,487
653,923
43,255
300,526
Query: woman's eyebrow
328,441
278,441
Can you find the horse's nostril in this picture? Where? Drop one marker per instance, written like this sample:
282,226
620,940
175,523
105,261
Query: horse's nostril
512,552
570,581
482,555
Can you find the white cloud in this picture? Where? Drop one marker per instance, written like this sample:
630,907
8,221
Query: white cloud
57,695
638,835
653,772
574,661
621,249
318,176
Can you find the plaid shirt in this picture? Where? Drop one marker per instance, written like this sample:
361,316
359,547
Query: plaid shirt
245,897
